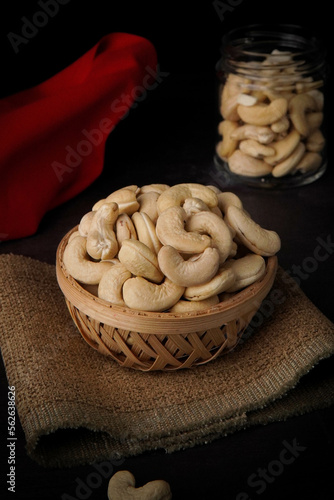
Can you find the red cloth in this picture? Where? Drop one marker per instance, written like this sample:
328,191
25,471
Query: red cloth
53,135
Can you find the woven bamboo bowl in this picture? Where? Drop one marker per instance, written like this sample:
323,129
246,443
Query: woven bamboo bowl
150,341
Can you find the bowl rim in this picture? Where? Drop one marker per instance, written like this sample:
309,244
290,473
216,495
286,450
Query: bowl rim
242,303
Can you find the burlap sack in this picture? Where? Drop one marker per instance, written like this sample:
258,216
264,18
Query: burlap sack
77,406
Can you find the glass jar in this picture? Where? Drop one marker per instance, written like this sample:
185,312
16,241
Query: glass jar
272,107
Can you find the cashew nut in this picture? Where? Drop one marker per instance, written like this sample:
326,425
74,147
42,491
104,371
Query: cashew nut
110,286
242,164
208,223
170,230
101,239
315,141
299,106
247,270
125,198
79,265
257,239
191,305
194,205
288,165
281,125
140,260
227,198
223,280
139,293
263,114
122,487
148,204
310,162
177,194
145,230
227,145
124,229
284,147
255,149
157,188
193,271
85,223
264,135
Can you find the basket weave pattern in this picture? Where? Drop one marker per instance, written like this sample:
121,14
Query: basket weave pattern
161,341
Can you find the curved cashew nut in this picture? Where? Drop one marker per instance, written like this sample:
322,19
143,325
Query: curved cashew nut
110,286
227,198
247,270
242,164
140,260
284,148
256,149
215,227
309,163
299,106
177,194
188,272
122,487
79,265
85,223
264,135
170,230
157,188
263,114
257,239
227,145
148,204
146,232
191,305
234,86
139,293
288,165
281,125
124,228
125,198
223,280
101,239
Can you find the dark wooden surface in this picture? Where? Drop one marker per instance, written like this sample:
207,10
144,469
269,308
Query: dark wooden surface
170,137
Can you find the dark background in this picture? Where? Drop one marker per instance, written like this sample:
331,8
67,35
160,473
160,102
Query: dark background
170,137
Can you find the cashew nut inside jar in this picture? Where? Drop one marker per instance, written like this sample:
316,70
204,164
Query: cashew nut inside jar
272,106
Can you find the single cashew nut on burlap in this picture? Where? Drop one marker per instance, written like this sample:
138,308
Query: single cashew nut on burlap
257,239
145,229
215,227
122,486
140,260
170,230
110,286
101,239
263,114
247,270
141,294
78,263
188,272
177,194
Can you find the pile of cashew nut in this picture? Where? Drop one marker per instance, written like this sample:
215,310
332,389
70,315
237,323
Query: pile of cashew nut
271,123
168,248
